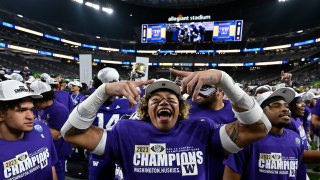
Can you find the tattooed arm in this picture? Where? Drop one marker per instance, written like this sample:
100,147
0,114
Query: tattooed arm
78,130
251,125
244,134
84,138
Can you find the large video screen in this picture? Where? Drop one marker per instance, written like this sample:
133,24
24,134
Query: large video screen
227,30
189,32
192,32
153,33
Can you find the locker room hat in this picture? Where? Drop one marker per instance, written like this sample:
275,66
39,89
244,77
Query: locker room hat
108,74
308,96
163,84
40,87
13,89
262,89
288,94
44,77
14,76
52,81
75,83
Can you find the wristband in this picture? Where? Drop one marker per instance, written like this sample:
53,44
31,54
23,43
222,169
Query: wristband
226,142
100,148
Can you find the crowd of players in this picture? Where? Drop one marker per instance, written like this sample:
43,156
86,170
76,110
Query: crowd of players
188,33
201,126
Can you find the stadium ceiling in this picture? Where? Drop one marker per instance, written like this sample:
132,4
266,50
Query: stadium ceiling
177,4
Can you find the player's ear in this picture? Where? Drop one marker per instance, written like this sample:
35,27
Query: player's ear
2,117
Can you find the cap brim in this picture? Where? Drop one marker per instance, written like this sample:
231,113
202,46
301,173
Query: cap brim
163,85
23,95
7,76
317,96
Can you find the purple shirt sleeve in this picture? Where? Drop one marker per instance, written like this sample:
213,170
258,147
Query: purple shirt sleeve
316,109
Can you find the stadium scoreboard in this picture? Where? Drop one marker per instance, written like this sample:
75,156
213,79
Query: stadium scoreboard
227,31
209,31
152,33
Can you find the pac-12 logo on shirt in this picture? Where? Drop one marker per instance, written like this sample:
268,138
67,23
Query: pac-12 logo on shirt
158,148
38,128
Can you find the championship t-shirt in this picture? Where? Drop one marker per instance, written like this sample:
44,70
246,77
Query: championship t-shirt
271,158
30,158
145,152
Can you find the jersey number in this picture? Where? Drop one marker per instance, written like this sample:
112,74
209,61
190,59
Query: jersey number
112,121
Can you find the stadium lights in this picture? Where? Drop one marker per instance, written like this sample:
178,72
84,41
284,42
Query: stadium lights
98,37
78,1
28,31
60,29
19,48
107,10
94,6
283,0
19,15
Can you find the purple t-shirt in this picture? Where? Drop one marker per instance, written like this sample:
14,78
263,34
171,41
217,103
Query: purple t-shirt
220,117
107,117
306,119
269,158
55,116
297,126
316,109
29,158
64,98
145,152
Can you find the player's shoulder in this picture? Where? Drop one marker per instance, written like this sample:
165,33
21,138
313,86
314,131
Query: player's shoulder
124,124
201,121
291,133
40,128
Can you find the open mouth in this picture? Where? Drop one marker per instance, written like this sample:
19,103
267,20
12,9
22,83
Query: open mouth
286,117
164,114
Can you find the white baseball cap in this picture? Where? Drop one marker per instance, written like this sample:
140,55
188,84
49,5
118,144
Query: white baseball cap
40,87
44,76
52,81
14,76
308,96
262,89
76,83
163,84
287,93
108,74
13,89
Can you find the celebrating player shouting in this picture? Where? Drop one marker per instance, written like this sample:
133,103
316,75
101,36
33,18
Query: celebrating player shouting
164,144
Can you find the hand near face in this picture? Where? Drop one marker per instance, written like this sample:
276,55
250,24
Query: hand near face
127,89
193,81
286,77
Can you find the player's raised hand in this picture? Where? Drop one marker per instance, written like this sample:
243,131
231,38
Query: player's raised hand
286,77
127,89
193,81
